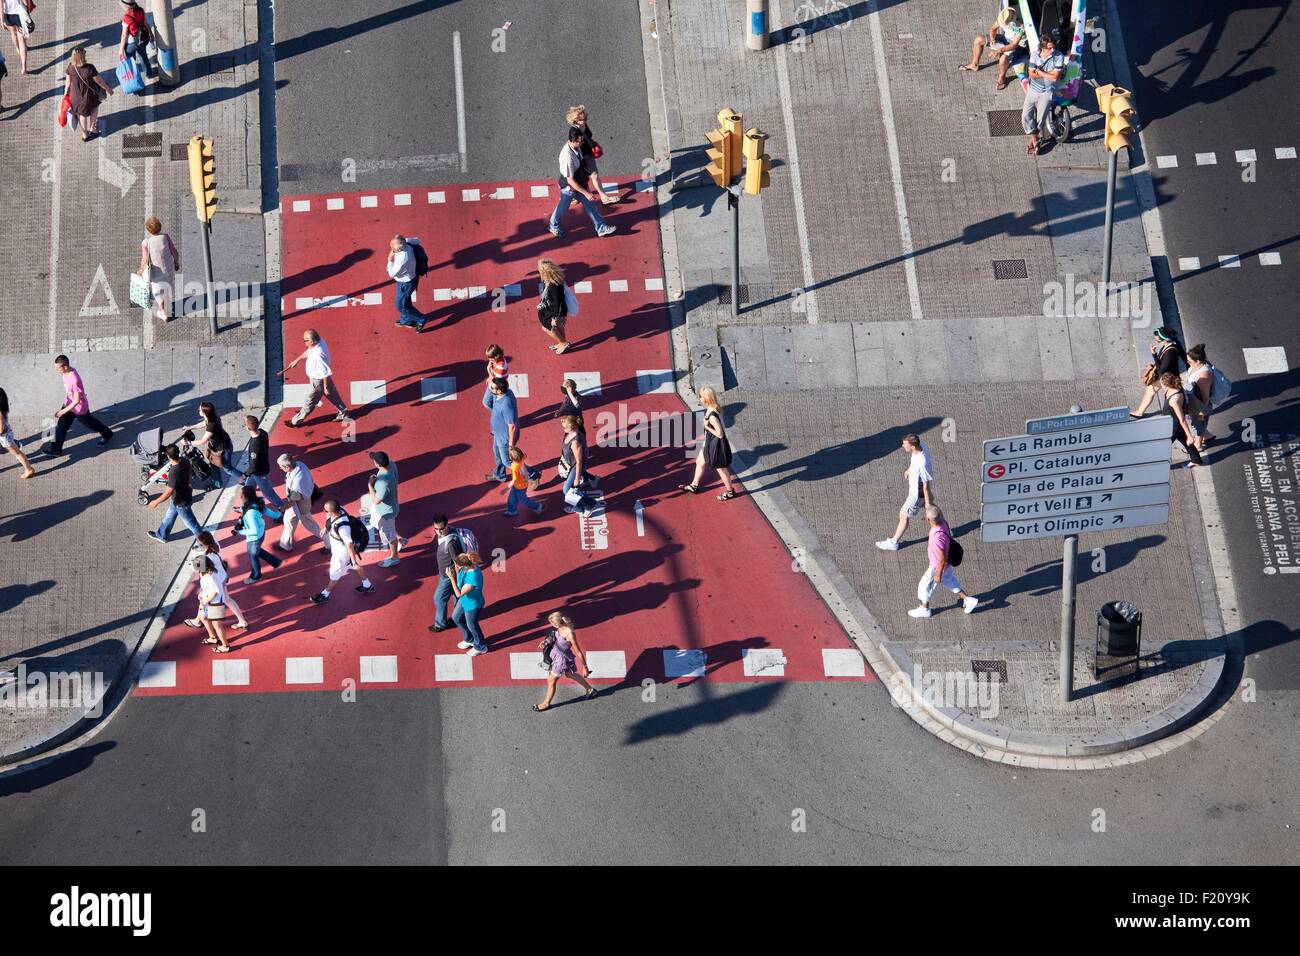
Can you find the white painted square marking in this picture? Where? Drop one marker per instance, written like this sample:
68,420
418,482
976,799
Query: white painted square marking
607,664
514,291
527,666
1245,156
302,205
581,288
1189,263
655,381
437,389
304,670
369,392
682,663
369,202
372,298
588,382
402,199
504,192
477,291
453,667
304,302
1266,361
334,204
441,295
1284,152
228,673
617,285
644,185
539,191
469,195
1229,262
1270,258
1167,162
654,285
843,662
381,669
295,394
1206,159
610,187
437,197
158,674
763,661
518,384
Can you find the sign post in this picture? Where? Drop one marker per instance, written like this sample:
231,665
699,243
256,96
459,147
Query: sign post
1085,471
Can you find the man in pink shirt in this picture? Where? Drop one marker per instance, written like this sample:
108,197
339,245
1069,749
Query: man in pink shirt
75,406
939,573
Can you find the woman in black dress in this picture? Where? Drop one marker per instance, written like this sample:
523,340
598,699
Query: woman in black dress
716,451
552,306
1173,402
1167,355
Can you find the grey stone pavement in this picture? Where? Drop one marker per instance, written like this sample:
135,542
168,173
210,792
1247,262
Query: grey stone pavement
821,393
78,578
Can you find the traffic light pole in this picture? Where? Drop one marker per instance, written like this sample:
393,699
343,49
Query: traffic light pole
207,266
169,66
1112,172
1068,558
733,202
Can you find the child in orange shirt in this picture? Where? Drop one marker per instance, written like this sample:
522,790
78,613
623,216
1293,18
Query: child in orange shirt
518,486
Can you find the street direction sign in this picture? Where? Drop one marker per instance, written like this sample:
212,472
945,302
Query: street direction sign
1027,529
1076,439
1106,416
1107,479
1059,463
1080,503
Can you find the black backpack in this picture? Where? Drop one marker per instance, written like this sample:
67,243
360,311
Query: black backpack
421,258
360,533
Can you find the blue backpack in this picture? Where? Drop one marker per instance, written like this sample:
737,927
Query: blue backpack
1220,387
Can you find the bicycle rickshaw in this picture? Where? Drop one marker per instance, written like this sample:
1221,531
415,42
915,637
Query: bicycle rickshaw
1063,21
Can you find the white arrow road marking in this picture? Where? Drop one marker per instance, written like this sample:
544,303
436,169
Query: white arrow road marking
100,281
119,175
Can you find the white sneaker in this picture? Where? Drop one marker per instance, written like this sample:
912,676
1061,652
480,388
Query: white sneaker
970,603
475,652
919,612
390,562
464,645
889,544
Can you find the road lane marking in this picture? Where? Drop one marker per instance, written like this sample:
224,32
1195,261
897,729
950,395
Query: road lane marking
437,197
655,381
304,670
379,669
588,382
1189,263
1265,361
402,199
609,665
453,667
228,673
369,202
518,383
158,674
684,663
796,178
580,288
1270,258
1167,162
617,285
538,192
1284,152
334,203
1229,262
654,285
1206,159
369,392
1245,156
438,389
527,666
302,205
843,662
460,97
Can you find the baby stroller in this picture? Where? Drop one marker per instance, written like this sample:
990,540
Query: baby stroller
1065,22
147,452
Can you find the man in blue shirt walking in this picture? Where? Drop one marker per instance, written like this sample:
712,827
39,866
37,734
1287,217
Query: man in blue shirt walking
1046,67
500,402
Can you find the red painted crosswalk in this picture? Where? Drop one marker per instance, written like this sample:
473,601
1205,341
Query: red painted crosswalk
661,585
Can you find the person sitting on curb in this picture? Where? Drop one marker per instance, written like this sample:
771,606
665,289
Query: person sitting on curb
1014,50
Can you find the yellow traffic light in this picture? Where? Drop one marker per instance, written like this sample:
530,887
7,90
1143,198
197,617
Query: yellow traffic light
757,162
203,176
1118,115
724,148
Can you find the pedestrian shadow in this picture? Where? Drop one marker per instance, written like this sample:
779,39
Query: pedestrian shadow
833,461
19,110
323,271
47,772
715,710
12,595
1040,580
25,525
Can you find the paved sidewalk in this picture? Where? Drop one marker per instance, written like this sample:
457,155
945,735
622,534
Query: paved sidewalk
80,579
870,313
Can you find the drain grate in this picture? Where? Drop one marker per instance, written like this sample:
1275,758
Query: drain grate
180,151
1005,123
990,667
724,294
141,145
1010,269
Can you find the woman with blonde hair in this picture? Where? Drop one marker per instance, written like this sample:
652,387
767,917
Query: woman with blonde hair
591,151
159,261
82,85
553,304
716,450
563,656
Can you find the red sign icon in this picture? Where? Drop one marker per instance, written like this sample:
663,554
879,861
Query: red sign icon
996,471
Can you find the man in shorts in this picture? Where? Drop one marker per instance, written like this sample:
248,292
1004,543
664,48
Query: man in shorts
344,557
7,440
920,491
384,507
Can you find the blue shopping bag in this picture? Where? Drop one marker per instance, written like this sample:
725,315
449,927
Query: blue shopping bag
129,77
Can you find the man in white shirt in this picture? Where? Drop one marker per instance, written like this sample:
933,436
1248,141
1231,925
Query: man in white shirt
402,270
920,493
344,556
321,376
299,486
575,186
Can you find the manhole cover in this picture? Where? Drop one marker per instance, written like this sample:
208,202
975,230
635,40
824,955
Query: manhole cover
724,294
180,151
1010,269
141,145
1005,123
990,667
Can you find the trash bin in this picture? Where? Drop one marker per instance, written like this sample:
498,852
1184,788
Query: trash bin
1118,625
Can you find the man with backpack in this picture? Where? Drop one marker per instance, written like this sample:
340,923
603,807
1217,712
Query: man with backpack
452,543
407,262
348,539
944,554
